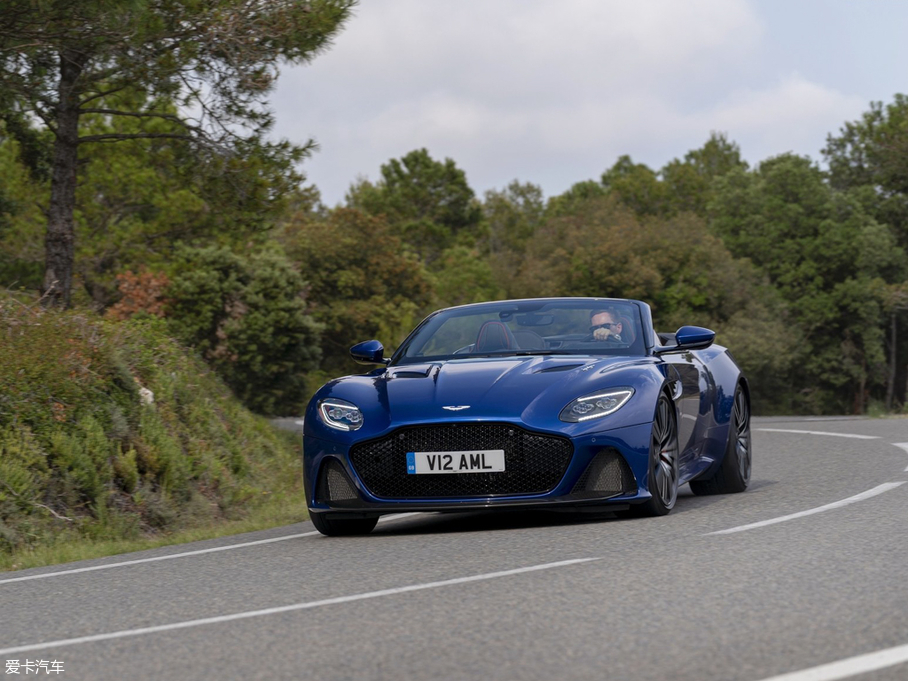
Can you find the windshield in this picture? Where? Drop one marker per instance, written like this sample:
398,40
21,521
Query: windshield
536,327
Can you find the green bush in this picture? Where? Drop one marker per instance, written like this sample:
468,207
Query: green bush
247,316
111,430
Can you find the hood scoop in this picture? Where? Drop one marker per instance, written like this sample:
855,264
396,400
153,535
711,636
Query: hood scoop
558,367
412,372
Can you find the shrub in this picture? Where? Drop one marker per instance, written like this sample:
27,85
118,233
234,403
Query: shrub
83,454
247,316
141,293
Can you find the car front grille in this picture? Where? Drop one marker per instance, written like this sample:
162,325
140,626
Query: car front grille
534,463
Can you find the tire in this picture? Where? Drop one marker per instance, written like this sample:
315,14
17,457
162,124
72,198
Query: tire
342,527
734,474
663,462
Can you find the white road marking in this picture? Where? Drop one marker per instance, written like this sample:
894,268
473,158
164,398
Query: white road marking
903,445
287,608
885,487
852,666
819,432
184,554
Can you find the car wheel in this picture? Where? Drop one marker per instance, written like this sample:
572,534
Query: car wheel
734,473
663,462
342,527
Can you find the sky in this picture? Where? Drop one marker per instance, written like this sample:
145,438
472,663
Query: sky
554,91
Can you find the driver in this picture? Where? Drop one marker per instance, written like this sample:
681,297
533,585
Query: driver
604,325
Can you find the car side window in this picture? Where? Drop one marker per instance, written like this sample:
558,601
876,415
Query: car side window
455,333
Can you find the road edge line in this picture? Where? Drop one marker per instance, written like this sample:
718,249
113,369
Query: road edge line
879,489
287,608
850,666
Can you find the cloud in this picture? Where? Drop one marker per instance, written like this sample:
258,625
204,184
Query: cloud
780,118
547,91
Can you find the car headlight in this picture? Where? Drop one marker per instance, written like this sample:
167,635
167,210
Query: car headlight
340,414
596,406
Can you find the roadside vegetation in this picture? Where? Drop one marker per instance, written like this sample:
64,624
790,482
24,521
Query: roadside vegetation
113,432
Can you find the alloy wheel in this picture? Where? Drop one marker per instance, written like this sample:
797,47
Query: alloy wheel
741,424
665,447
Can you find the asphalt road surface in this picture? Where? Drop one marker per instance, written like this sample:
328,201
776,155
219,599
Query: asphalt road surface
804,578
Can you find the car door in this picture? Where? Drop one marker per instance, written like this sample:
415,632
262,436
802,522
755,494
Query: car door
692,400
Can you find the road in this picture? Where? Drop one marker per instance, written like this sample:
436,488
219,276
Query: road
804,575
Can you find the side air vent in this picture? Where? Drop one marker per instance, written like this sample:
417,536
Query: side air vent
334,487
408,374
608,474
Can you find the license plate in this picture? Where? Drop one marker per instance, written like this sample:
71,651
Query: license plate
476,461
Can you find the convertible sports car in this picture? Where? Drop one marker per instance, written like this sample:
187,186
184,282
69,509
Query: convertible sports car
542,403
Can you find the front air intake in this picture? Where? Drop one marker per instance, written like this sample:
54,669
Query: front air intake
334,487
607,475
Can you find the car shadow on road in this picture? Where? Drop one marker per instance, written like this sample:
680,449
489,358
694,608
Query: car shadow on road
689,501
483,521
502,519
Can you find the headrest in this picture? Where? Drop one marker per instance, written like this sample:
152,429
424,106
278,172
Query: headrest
494,336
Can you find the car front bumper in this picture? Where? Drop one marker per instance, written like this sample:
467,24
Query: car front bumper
605,468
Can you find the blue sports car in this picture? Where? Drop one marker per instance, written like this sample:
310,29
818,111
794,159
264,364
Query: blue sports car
541,403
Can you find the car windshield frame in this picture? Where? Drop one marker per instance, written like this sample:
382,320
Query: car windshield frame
528,315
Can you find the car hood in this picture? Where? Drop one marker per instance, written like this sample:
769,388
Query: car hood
488,387
532,389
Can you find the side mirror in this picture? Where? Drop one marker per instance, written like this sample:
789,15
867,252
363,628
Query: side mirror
369,352
694,337
688,338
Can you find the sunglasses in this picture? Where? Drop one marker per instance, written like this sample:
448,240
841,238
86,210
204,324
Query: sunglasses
606,325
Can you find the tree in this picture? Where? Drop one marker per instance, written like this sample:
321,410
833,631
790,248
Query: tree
869,159
680,186
427,202
139,198
829,259
691,182
460,276
512,216
22,193
872,154
215,60
136,200
687,275
574,198
604,249
363,282
637,186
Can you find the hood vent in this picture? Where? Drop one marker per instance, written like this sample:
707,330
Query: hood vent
408,373
559,367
